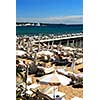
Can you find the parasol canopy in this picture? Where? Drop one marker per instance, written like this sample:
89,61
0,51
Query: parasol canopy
68,48
55,46
20,52
55,79
45,53
79,61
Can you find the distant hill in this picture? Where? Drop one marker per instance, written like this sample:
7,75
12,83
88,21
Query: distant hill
42,24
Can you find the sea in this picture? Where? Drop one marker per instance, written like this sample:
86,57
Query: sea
45,30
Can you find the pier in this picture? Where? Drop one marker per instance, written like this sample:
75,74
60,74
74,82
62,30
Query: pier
73,41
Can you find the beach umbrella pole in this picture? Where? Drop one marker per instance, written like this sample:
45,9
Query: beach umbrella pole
54,92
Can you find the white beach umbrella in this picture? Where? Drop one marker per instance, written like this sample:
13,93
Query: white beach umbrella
80,54
79,61
55,50
20,52
64,53
59,52
45,53
54,79
68,48
79,49
55,46
34,49
44,44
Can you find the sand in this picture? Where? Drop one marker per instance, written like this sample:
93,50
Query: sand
69,90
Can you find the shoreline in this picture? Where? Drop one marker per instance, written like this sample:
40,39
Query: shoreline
51,34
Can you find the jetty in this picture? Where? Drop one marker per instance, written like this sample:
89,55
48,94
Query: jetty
73,41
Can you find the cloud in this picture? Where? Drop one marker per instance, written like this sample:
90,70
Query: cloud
78,19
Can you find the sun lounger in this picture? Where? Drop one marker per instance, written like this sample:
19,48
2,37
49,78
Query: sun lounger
33,87
40,95
63,72
47,70
77,79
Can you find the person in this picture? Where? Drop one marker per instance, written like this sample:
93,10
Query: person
17,62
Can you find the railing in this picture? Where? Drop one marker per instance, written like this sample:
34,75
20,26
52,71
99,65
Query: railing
61,38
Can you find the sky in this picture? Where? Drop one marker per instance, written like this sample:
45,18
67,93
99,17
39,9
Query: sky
52,11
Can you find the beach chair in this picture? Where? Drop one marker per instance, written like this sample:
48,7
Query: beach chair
40,96
77,81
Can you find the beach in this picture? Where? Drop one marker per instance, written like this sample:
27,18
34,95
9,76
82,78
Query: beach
37,60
